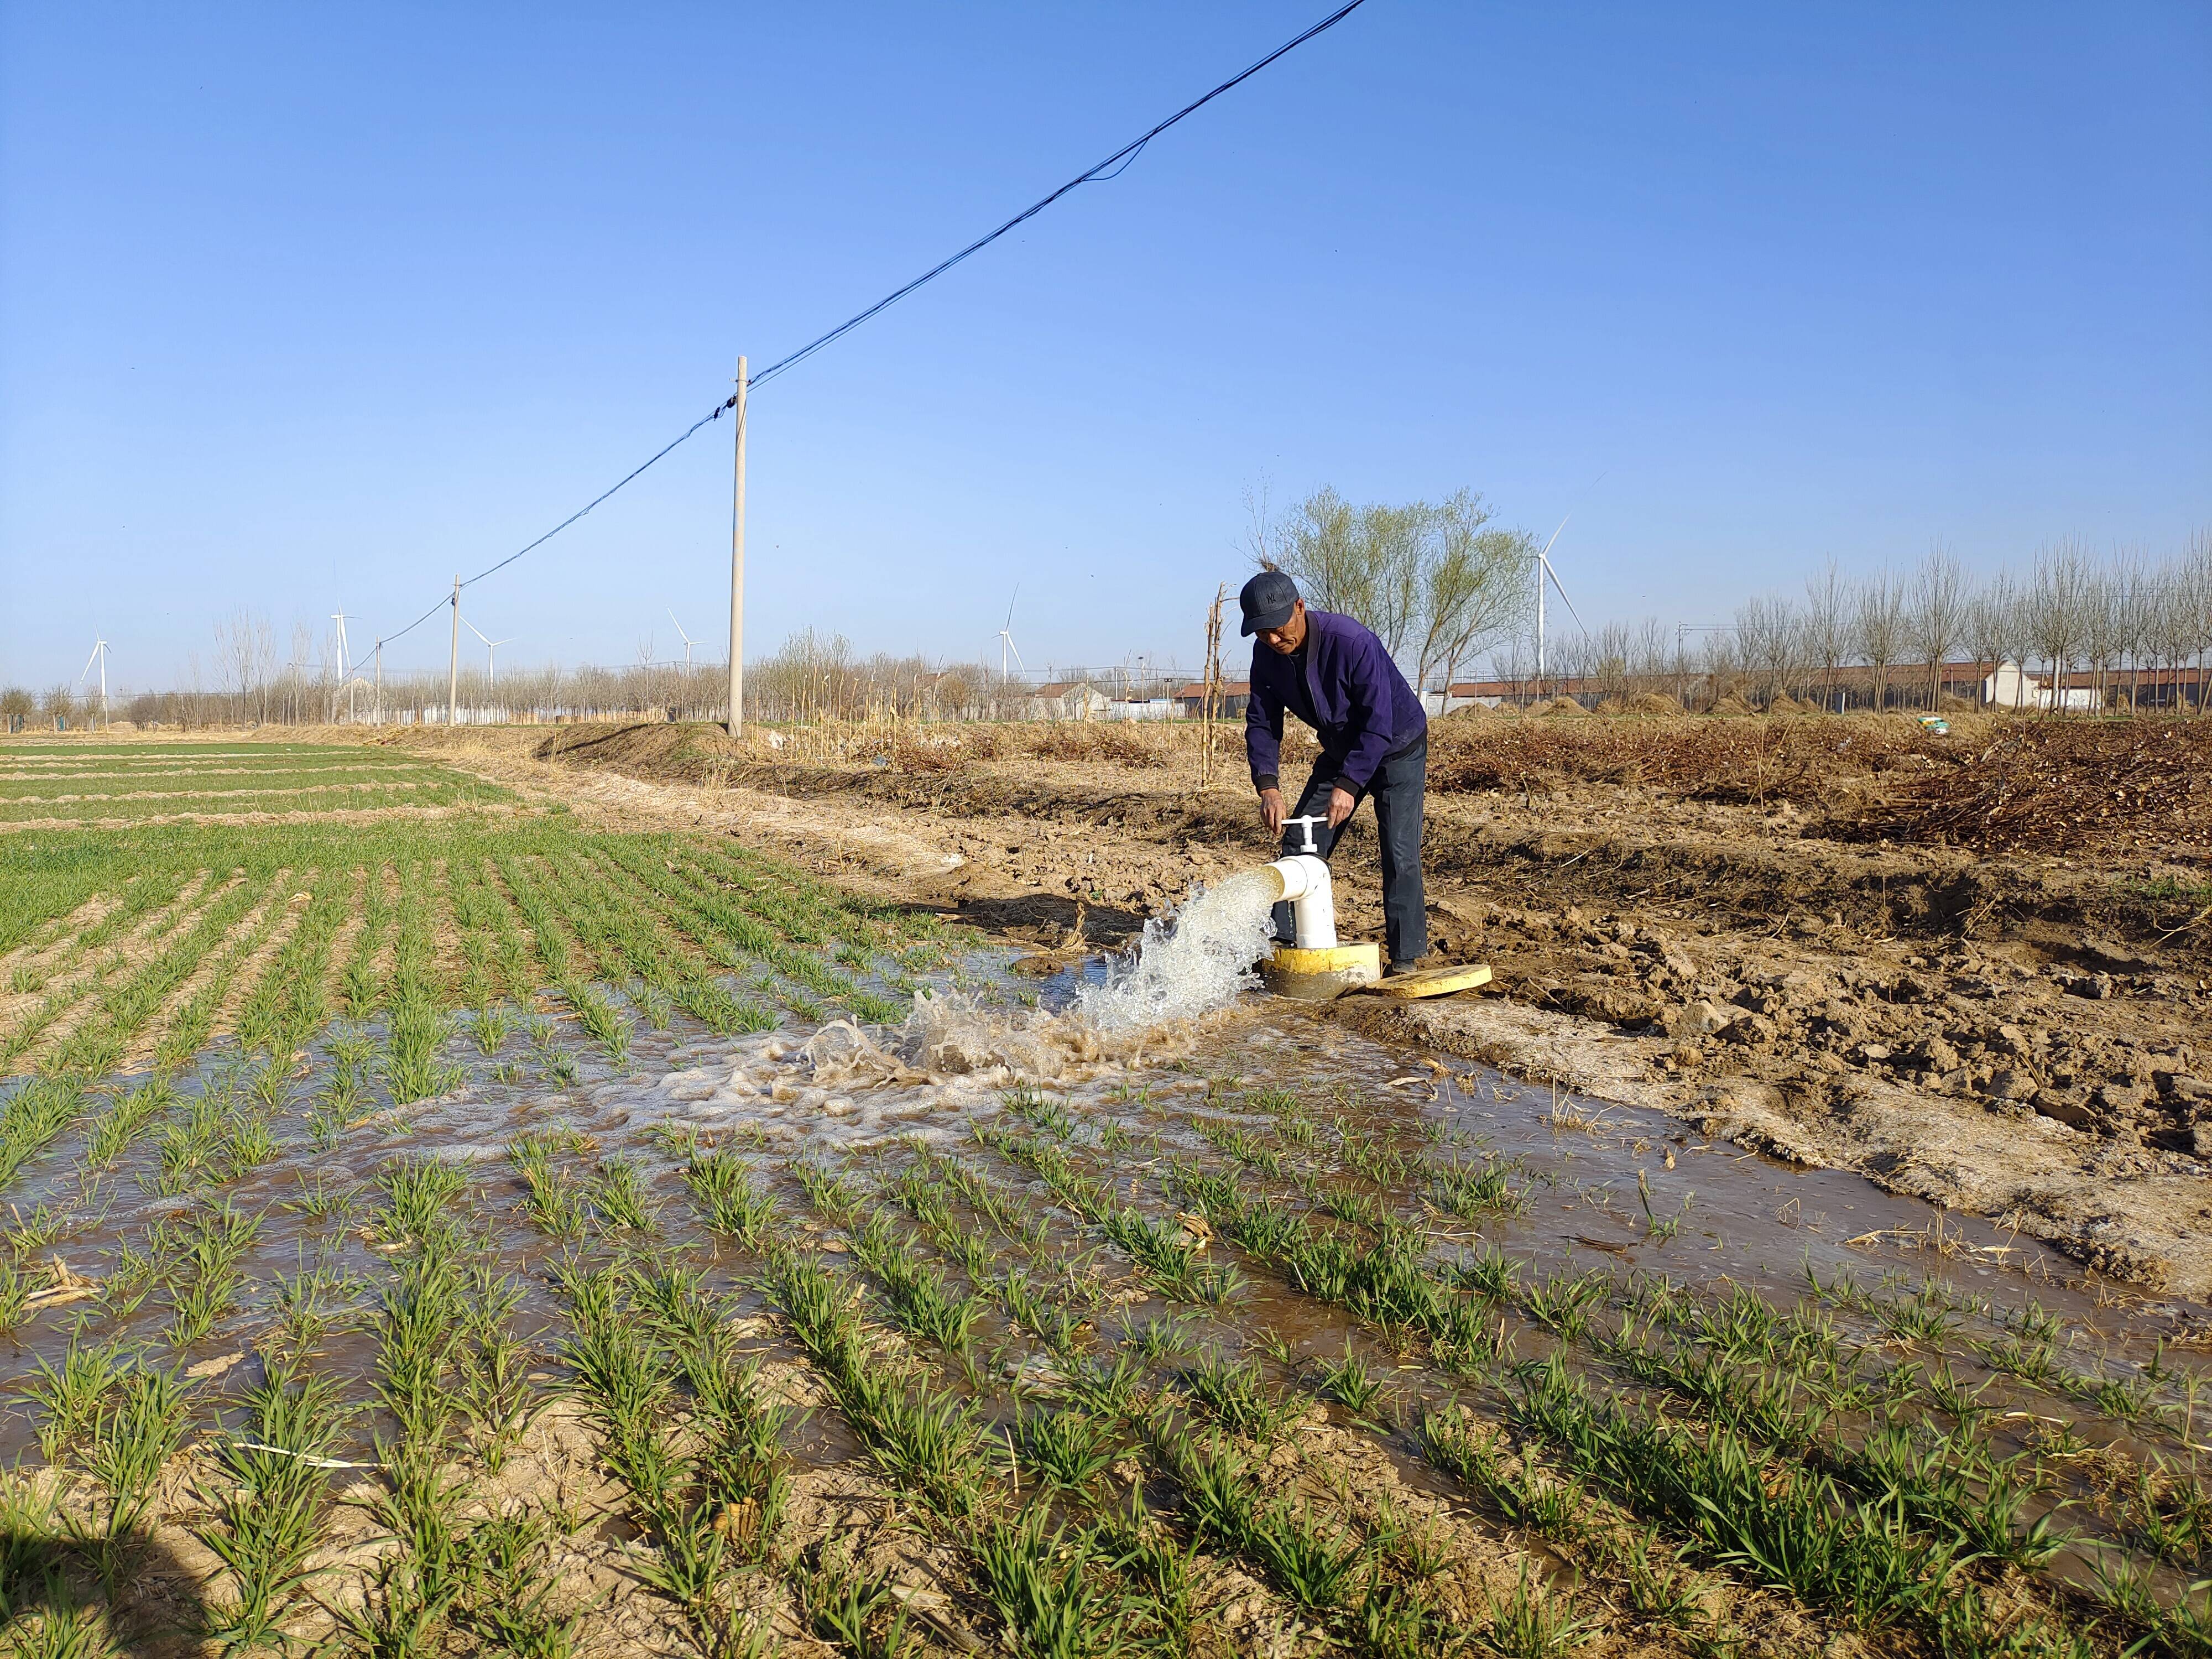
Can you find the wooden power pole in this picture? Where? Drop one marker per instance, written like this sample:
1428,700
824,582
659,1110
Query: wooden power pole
738,566
453,660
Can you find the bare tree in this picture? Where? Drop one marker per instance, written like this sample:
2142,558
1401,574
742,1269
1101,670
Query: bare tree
245,654
2056,612
1878,629
1993,625
2104,623
1938,619
1827,626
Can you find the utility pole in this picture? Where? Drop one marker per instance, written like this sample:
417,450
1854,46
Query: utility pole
737,567
379,681
454,661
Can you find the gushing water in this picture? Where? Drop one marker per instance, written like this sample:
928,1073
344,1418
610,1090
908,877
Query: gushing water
1189,962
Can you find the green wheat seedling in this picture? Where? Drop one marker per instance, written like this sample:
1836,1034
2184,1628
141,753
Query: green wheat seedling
916,1292
140,1425
858,1613
928,1441
1068,1449
1533,1624
70,1396
1042,1587
721,1184
1352,1382
1235,1396
555,1205
619,1195
119,1127
489,1027
271,1507
199,1255
421,1198
1477,1192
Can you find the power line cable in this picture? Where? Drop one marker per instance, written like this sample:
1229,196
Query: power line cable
1119,162
1126,154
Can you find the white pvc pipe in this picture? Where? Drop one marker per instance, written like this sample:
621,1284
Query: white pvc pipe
1303,880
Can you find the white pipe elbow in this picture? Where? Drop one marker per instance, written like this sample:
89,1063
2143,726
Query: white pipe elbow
1302,879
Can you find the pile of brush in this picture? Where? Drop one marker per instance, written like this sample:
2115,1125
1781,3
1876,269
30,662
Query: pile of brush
2104,786
1727,761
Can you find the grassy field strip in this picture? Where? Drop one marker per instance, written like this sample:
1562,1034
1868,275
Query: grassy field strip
664,962
360,981
45,776
559,943
38,1114
176,1033
1862,1565
1394,1292
62,944
81,971
286,786
42,938
750,924
350,798
706,1472
1313,1560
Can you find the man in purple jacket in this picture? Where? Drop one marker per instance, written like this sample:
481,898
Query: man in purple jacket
1337,676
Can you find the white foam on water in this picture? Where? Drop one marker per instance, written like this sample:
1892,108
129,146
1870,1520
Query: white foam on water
1190,963
956,1054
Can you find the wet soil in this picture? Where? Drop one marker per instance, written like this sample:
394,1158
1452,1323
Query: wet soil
2013,1036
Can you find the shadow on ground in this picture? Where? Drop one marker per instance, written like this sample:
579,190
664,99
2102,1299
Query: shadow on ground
158,1609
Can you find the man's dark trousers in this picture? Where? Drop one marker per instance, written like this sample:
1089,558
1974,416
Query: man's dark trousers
1398,787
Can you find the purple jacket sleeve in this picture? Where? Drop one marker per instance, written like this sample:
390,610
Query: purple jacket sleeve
1263,729
1367,693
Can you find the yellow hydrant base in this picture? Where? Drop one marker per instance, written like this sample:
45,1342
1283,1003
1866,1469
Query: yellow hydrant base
1320,975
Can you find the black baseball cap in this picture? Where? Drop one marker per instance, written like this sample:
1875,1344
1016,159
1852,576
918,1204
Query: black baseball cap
1268,599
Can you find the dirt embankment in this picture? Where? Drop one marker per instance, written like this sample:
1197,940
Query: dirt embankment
1717,926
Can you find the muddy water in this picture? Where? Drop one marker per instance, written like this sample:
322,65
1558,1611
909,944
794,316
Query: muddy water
1597,1175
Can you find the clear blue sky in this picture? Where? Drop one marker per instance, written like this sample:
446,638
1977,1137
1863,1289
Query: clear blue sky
309,304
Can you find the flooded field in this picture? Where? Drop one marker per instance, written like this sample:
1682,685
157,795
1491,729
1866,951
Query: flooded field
553,1244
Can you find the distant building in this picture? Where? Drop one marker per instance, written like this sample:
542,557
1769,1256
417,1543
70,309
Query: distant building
1228,698
1142,709
1068,700
2010,687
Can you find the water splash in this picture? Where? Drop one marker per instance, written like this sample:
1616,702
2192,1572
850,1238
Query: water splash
1190,963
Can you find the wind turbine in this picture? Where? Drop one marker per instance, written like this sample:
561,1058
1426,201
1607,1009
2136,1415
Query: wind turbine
491,668
1006,638
98,654
688,641
1544,569
345,669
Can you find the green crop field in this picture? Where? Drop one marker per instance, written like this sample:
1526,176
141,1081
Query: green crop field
409,1249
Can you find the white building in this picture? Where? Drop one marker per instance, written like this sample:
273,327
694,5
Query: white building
2011,687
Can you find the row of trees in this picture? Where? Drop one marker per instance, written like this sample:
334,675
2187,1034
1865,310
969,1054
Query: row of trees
811,677
2124,630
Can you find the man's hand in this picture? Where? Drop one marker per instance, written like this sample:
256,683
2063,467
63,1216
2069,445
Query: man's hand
1271,811
1340,803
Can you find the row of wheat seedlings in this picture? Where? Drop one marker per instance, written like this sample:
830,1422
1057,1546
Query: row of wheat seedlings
763,922
149,906
450,1379
1866,1528
1367,1581
38,1112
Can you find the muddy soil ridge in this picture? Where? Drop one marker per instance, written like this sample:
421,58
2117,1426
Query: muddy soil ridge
1790,932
